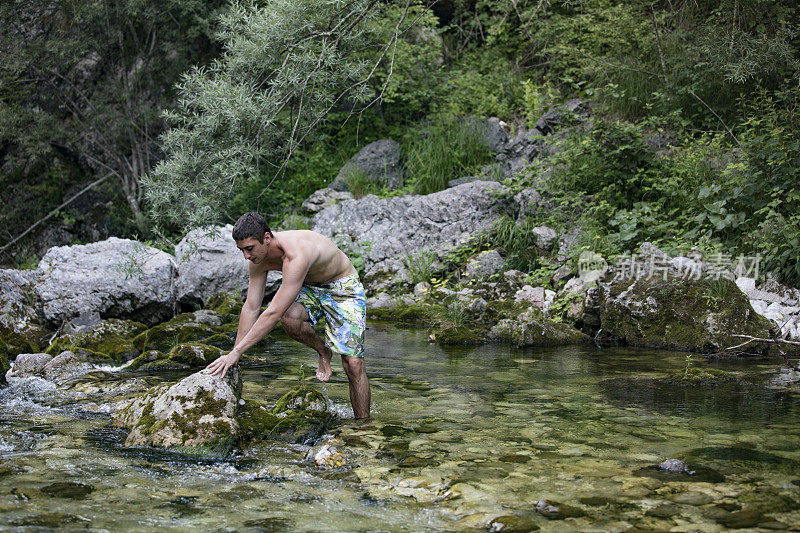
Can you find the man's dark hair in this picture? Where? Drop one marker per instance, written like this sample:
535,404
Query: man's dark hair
251,225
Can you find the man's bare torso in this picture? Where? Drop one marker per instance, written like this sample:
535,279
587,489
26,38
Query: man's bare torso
326,262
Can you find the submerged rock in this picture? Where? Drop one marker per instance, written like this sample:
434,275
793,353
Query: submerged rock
301,415
194,416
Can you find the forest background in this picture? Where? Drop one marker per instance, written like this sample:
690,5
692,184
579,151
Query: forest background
173,114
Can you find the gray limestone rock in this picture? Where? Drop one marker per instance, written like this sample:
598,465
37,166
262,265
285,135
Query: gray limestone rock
116,278
485,264
386,230
209,263
380,160
29,365
323,198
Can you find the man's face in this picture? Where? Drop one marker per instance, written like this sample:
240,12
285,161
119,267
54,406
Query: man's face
252,249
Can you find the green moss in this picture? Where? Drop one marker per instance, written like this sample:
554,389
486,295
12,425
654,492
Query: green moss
194,354
31,340
414,314
295,417
163,337
220,340
226,305
4,366
163,364
457,335
702,376
497,310
111,338
679,314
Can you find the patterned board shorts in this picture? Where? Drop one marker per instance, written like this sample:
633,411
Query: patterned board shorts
342,303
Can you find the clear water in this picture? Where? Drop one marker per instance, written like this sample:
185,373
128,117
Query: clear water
459,437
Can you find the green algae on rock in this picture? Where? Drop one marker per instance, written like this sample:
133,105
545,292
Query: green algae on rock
182,356
531,329
414,314
110,339
301,415
195,416
228,306
702,376
676,313
186,327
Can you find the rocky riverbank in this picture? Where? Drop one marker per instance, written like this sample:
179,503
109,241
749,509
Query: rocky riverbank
426,260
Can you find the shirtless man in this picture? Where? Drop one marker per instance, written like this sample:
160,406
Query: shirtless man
319,282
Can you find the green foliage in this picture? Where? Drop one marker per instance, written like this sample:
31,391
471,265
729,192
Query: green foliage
443,150
287,66
420,265
356,253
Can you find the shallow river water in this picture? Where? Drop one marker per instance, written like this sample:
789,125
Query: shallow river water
462,438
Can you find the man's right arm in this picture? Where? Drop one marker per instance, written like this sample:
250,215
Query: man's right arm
252,305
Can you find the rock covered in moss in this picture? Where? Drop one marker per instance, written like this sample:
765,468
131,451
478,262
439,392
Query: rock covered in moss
413,314
186,327
194,354
197,415
702,376
117,278
456,335
112,338
678,313
225,305
301,415
531,329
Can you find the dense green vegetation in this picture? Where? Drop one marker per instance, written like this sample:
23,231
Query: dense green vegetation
692,139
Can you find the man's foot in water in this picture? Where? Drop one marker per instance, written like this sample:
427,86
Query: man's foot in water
324,370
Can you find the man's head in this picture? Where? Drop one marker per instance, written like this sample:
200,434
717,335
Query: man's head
251,226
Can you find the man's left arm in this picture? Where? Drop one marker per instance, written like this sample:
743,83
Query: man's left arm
294,272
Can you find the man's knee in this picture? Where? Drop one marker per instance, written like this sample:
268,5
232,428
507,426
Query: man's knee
353,365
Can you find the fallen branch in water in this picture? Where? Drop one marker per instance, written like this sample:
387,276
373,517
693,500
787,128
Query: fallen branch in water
774,339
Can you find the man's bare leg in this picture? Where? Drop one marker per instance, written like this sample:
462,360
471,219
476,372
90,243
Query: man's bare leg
360,395
297,325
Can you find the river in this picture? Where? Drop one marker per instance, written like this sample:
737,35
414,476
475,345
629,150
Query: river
560,439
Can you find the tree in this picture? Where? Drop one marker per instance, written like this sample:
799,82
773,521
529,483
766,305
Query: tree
85,82
286,66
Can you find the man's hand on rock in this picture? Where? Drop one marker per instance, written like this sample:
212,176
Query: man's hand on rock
223,363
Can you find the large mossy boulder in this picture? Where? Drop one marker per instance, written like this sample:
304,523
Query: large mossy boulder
532,329
678,313
301,415
186,327
196,416
112,339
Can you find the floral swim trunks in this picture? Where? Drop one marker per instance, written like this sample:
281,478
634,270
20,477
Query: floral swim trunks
342,303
